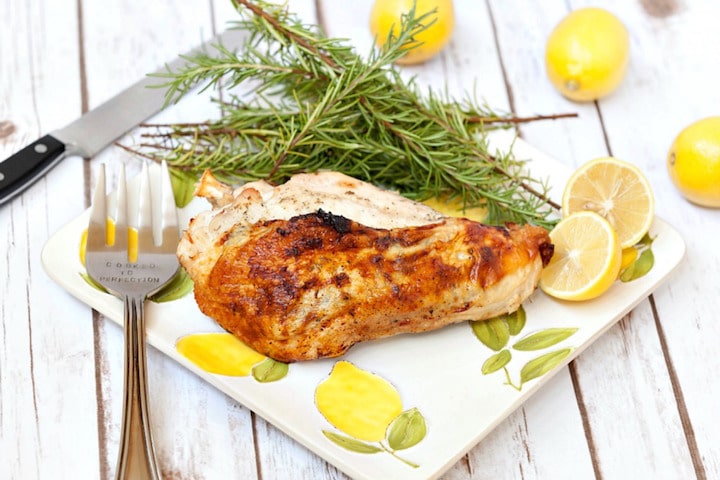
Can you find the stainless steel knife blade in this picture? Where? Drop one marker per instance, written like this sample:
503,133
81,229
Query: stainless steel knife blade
96,129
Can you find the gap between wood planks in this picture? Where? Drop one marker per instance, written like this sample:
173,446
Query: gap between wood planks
685,421
104,422
679,397
675,383
98,352
506,81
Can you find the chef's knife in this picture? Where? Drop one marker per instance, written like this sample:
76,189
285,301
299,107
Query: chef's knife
95,130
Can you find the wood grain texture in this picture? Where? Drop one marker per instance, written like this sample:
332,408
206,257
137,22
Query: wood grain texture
212,440
671,85
45,347
641,402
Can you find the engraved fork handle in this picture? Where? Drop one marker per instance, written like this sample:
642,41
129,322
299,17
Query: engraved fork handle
136,459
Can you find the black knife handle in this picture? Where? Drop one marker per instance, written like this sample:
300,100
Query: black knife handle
22,169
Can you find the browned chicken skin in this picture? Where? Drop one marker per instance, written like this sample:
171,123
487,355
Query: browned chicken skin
313,285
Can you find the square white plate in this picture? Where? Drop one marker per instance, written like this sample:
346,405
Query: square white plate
439,373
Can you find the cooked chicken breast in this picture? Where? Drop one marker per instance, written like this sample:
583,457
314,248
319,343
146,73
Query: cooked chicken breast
307,269
259,201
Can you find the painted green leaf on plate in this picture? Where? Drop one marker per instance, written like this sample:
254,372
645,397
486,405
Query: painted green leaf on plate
183,185
639,268
352,444
179,286
539,366
493,333
516,320
543,339
269,370
496,362
406,430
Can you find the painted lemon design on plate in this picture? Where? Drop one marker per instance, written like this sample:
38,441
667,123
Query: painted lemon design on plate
368,409
219,353
224,354
358,402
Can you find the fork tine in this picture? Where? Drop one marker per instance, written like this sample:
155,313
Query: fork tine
144,213
97,235
170,233
121,215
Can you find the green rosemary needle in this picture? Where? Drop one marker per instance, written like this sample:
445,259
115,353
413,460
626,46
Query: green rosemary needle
318,105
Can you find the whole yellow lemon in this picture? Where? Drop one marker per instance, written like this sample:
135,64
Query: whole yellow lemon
586,55
387,15
694,162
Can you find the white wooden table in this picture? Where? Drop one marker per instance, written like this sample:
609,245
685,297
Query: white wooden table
642,402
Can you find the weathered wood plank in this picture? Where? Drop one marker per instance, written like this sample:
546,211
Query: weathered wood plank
44,348
671,83
522,30
199,432
626,389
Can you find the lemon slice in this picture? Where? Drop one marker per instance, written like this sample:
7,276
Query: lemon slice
618,191
586,260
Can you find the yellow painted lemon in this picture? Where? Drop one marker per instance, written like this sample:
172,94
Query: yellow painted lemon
694,162
586,260
219,353
83,246
386,16
587,54
629,255
358,402
110,240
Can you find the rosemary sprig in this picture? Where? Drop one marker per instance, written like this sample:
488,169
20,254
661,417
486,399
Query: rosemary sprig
316,104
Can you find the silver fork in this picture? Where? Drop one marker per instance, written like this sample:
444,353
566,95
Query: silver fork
112,263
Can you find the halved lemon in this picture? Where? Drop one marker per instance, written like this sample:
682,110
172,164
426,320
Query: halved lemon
586,260
618,191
